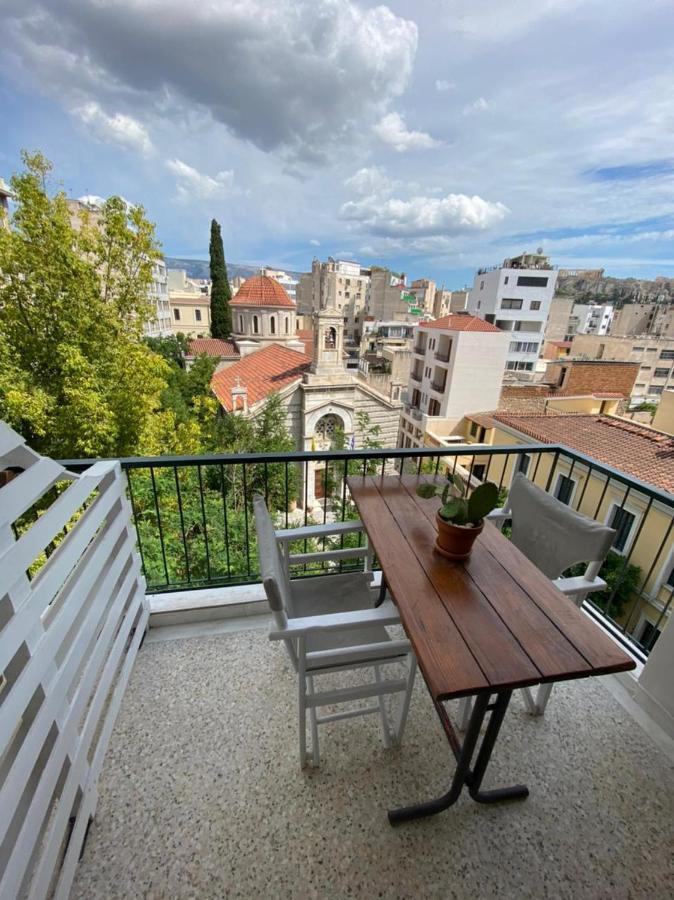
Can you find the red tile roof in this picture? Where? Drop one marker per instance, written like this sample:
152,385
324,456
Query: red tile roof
261,290
262,373
212,347
644,453
461,323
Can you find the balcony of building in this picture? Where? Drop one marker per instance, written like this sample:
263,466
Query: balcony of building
419,346
439,381
200,793
444,350
416,374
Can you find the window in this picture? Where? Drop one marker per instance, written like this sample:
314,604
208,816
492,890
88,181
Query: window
649,635
287,325
330,339
197,315
531,281
511,303
667,354
272,324
564,489
655,390
176,315
473,429
623,522
256,325
479,304
661,373
535,304
524,463
505,280
518,366
482,285
646,368
241,323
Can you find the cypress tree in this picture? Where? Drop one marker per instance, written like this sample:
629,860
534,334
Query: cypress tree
221,294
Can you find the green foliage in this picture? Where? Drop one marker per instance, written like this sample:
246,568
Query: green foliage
75,378
613,571
173,349
459,509
221,294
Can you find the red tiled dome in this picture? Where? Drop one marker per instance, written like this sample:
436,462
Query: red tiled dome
261,290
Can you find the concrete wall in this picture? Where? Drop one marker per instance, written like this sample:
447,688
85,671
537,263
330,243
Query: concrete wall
664,417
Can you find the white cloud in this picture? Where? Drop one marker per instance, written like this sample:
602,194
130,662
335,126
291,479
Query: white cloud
442,85
370,180
423,216
391,129
479,105
314,242
194,184
118,128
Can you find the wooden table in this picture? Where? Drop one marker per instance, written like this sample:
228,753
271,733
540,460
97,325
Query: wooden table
479,628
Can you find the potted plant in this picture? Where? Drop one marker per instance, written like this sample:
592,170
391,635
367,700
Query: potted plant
459,519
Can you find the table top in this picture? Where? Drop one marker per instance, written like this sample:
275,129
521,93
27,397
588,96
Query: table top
490,623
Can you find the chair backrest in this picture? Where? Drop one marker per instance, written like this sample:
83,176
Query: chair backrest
272,569
552,535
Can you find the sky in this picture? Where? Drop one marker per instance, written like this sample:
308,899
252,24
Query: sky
433,136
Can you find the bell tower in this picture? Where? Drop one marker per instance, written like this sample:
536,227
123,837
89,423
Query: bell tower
328,342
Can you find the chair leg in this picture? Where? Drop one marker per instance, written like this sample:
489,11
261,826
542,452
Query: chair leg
314,726
465,711
386,739
302,708
536,705
407,697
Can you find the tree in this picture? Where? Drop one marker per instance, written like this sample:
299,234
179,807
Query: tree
75,378
221,294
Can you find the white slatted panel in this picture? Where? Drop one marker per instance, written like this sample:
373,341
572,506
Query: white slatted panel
68,640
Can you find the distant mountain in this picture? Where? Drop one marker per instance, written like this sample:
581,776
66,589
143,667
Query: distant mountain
199,268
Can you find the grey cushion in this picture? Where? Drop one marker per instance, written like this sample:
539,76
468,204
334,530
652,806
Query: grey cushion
272,570
552,535
337,593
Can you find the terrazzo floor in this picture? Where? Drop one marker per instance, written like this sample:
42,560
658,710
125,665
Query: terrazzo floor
201,795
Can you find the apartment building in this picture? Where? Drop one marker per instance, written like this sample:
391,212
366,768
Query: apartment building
447,302
516,297
5,197
655,356
390,299
335,284
458,365
591,318
190,304
423,292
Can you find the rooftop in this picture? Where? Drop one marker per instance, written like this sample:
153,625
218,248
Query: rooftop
212,347
201,794
262,290
642,452
262,373
462,322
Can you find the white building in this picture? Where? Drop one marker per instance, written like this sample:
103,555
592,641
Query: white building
516,298
5,197
160,325
457,368
591,318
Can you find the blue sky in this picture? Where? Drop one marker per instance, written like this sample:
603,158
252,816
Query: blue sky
433,136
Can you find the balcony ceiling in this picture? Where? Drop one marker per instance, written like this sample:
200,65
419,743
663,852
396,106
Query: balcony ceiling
201,795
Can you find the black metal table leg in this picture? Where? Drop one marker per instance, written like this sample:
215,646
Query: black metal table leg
382,591
464,754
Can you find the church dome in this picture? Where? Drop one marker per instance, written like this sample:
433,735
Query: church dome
261,290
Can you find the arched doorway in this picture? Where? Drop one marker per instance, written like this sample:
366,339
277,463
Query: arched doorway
328,435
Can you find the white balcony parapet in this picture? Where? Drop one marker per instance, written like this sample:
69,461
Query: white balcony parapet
74,616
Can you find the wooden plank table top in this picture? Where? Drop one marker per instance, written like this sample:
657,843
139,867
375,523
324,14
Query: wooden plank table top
491,623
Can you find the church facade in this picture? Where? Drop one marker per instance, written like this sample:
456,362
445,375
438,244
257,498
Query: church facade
323,402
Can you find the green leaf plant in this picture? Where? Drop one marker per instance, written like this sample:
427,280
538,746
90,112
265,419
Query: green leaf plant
456,508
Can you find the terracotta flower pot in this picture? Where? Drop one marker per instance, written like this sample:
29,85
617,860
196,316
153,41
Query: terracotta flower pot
456,541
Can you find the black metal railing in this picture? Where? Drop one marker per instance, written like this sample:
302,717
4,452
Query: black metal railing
193,515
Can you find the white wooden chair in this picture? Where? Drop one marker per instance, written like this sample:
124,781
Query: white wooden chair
554,537
328,624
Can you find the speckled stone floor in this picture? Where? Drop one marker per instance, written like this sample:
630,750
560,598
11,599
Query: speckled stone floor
202,796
